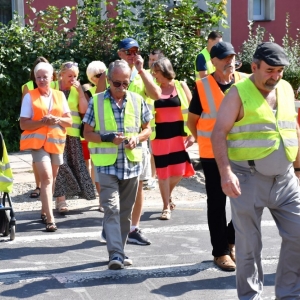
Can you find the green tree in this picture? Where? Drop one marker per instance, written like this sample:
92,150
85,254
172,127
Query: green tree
289,44
155,24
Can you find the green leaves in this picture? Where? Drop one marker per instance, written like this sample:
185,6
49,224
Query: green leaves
154,23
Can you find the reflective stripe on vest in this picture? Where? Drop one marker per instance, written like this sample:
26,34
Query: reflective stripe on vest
211,97
53,137
105,153
210,68
259,132
6,176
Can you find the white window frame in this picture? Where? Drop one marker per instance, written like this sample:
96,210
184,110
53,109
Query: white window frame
18,6
267,9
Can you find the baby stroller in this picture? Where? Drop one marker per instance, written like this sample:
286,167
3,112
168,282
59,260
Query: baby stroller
7,215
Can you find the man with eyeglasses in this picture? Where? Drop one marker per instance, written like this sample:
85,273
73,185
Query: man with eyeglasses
142,83
115,123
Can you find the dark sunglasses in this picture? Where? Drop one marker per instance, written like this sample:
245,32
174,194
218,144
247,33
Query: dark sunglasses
98,75
70,65
118,84
130,52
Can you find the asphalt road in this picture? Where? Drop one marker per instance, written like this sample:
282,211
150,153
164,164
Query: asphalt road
72,263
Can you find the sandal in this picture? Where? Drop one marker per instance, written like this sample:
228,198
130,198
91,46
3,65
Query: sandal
61,206
165,215
44,218
172,204
35,193
51,227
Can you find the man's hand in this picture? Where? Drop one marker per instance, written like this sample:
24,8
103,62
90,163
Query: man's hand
132,143
138,62
230,185
119,138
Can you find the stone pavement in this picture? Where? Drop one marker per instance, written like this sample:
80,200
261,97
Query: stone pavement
21,164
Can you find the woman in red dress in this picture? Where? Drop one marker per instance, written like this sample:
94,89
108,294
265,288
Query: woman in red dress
171,136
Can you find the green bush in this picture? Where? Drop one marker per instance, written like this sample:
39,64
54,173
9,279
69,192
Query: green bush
290,45
151,22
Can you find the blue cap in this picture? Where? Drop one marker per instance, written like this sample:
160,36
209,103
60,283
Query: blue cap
128,43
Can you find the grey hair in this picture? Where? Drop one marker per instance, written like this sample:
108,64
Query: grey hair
119,63
164,65
43,66
256,61
95,67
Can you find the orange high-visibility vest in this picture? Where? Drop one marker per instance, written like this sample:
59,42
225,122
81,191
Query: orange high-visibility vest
52,138
211,97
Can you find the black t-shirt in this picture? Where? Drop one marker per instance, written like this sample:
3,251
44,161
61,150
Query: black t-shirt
195,105
201,63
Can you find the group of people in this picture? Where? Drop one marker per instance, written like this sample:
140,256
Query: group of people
248,137
245,126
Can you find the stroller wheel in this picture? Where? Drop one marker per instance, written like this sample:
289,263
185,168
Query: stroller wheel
7,217
12,232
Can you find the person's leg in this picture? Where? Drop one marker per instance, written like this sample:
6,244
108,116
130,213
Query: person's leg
174,180
138,205
135,235
164,187
35,193
110,200
128,192
216,209
44,168
60,203
247,212
285,197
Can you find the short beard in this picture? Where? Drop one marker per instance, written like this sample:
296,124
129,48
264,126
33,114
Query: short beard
271,86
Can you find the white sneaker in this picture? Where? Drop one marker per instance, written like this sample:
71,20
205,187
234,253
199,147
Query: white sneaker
127,261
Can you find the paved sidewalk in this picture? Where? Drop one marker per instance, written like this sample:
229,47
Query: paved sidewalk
20,163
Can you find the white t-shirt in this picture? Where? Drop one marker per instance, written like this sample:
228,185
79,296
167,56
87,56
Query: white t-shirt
27,111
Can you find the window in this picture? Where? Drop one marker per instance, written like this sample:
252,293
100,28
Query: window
5,11
261,10
258,10
7,7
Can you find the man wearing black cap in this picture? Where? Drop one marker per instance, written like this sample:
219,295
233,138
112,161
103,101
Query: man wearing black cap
208,95
142,83
256,145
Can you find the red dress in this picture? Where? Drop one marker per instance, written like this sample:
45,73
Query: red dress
170,155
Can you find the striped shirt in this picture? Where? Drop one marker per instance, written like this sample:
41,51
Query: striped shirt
122,168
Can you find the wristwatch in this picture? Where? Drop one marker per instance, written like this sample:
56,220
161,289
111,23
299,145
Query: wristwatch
137,141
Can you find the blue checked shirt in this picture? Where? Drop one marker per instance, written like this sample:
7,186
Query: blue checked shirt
122,168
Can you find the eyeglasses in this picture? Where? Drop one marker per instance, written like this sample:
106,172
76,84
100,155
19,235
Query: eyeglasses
118,84
70,65
131,52
98,75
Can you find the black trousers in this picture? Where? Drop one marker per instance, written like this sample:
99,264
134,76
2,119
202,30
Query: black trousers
221,234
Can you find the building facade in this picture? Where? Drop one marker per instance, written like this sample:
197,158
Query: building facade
270,14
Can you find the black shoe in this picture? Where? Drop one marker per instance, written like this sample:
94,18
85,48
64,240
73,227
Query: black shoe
136,237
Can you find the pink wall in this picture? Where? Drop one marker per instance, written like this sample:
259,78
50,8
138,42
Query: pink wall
239,21
41,5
